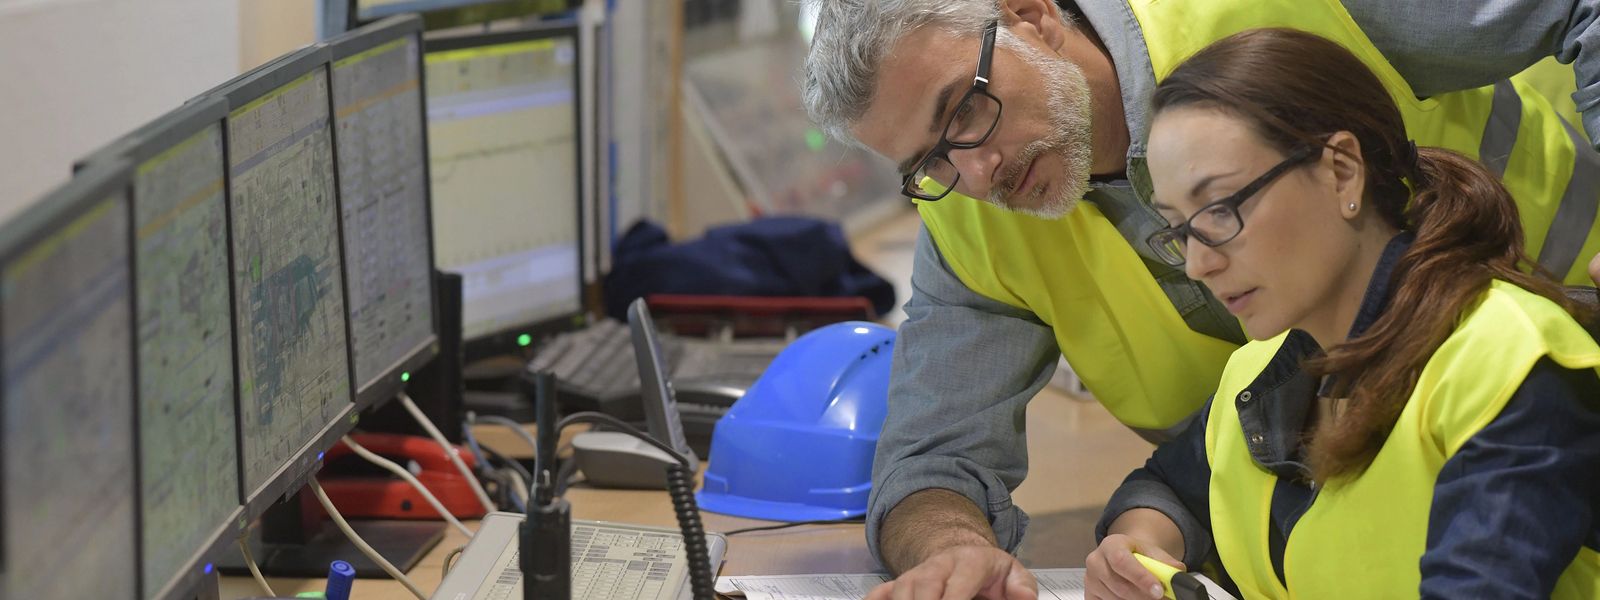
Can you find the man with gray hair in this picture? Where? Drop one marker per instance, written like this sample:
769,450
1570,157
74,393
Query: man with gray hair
1003,114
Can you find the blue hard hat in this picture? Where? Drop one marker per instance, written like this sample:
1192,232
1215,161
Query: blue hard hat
798,446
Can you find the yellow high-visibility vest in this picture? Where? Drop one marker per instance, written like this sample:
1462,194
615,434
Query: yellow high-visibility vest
1363,538
1118,326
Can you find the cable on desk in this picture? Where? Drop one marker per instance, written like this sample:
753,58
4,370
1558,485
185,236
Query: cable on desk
517,498
564,476
521,432
519,491
854,521
449,450
255,571
402,473
361,544
449,561
484,454
509,424
471,440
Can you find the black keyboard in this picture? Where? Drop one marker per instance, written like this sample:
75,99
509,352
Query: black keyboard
595,370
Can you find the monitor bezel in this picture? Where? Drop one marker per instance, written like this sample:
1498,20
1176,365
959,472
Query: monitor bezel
186,583
503,341
41,219
144,144
390,382
262,80
294,473
165,131
361,15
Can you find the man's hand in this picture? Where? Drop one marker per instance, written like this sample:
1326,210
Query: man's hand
1594,269
960,573
1113,572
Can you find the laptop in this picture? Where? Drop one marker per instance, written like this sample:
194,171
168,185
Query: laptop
609,561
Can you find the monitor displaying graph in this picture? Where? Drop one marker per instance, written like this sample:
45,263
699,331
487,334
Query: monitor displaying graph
293,365
503,145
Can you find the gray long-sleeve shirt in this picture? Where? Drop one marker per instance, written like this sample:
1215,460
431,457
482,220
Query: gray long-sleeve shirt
966,366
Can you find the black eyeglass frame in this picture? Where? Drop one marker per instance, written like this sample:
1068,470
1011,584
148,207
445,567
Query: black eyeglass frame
1180,233
980,85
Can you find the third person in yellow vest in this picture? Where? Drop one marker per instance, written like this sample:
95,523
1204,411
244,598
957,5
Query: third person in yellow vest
1418,415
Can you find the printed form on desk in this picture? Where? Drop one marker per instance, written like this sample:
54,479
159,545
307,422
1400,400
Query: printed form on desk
1054,584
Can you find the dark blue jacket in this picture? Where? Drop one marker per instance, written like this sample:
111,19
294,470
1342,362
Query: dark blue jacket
1510,509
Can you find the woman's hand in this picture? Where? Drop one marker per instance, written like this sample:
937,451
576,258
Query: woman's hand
1113,572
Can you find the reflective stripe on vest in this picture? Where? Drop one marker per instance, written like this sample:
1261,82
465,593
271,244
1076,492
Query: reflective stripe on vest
1363,538
1576,214
1505,116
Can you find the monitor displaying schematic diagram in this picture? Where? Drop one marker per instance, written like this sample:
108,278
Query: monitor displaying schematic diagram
289,311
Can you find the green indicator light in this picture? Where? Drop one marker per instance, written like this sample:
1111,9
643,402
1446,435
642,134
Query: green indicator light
524,339
406,376
815,139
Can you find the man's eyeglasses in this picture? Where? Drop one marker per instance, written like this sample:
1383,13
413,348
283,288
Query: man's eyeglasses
975,117
1219,222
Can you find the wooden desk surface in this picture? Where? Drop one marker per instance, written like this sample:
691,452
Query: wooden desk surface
1079,454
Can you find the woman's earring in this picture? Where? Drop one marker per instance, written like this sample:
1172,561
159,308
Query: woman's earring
1352,206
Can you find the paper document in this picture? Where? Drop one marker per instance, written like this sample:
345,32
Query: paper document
1054,584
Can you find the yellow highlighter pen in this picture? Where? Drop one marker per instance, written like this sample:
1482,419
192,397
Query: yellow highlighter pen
1178,585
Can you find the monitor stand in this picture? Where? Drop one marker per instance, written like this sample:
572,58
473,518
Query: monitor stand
437,386
292,541
493,387
295,540
209,587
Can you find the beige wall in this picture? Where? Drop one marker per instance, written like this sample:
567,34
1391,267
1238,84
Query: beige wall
269,28
75,74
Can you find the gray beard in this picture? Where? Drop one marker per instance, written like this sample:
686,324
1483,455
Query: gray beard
1071,124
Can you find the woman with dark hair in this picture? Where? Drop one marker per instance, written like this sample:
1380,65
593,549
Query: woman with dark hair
1417,413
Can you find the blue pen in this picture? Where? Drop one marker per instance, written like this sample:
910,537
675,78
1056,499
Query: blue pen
340,577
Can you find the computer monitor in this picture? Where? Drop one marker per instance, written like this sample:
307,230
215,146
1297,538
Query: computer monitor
367,10
190,498
67,468
293,362
380,139
373,9
503,156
